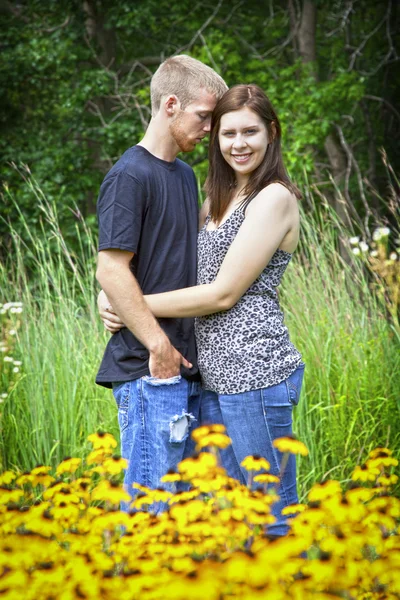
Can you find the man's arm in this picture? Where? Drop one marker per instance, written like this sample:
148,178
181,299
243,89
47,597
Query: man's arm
116,279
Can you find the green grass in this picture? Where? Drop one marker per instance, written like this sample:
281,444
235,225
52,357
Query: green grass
350,399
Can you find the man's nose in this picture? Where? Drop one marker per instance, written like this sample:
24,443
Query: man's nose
207,125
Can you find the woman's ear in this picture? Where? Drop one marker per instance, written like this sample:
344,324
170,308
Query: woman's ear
273,130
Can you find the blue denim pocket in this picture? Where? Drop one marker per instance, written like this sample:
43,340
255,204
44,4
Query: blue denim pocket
121,395
156,381
294,383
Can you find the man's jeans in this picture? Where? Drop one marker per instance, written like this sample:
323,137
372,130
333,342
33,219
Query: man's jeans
155,419
253,420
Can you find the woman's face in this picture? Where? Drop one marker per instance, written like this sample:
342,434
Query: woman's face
243,140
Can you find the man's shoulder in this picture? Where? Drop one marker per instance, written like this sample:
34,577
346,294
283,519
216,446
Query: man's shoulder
132,164
185,168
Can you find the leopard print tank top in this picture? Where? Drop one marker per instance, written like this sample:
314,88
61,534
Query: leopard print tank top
246,347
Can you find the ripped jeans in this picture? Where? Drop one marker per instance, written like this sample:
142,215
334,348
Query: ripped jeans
155,417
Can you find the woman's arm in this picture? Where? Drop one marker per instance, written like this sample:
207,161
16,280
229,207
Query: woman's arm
269,217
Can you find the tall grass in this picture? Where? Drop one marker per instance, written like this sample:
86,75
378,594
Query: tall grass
350,399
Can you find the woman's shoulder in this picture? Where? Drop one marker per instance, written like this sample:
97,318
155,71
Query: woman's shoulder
274,195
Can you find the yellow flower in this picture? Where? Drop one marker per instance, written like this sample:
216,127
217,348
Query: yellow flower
108,491
66,513
25,478
171,477
114,465
327,489
40,470
293,509
291,445
218,440
98,456
7,477
68,465
7,495
197,466
388,480
380,452
255,463
64,495
266,478
205,430
382,461
42,479
102,440
365,473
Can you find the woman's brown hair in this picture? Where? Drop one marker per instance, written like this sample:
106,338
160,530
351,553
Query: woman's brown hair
221,180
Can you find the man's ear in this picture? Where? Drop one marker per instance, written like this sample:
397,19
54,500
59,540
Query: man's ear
171,104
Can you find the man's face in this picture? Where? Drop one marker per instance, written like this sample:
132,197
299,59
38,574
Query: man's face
189,126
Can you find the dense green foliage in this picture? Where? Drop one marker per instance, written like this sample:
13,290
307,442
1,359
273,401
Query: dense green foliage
74,80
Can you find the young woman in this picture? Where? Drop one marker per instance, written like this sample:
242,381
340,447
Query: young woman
249,228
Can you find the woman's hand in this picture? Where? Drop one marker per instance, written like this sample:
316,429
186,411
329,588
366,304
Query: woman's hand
110,320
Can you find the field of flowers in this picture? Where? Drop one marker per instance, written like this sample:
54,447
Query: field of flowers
62,536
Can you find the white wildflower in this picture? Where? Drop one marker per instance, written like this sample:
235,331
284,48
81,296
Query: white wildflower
393,256
8,359
364,246
354,240
17,363
3,311
16,370
356,251
3,349
12,332
380,233
7,305
374,253
16,310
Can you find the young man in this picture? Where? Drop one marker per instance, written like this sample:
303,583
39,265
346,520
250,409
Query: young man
147,212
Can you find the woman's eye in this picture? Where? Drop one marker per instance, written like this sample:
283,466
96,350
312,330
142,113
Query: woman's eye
251,131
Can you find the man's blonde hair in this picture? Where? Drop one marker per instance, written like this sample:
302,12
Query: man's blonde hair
184,77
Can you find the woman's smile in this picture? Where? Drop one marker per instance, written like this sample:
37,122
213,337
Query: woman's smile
243,140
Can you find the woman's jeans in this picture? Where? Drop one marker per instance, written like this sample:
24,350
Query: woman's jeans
253,421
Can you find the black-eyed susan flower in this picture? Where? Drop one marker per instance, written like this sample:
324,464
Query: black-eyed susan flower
293,509
68,465
114,465
255,463
103,440
206,430
107,491
7,477
98,455
266,478
387,480
365,473
215,440
171,477
197,466
327,489
291,445
7,495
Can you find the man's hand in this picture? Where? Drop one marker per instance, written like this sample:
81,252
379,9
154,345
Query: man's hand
111,320
166,361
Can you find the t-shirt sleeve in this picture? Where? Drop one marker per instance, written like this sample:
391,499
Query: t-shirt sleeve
120,211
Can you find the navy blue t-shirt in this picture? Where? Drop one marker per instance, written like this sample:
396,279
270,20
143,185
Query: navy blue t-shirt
149,206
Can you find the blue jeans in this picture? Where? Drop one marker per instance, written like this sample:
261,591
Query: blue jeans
253,420
155,417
